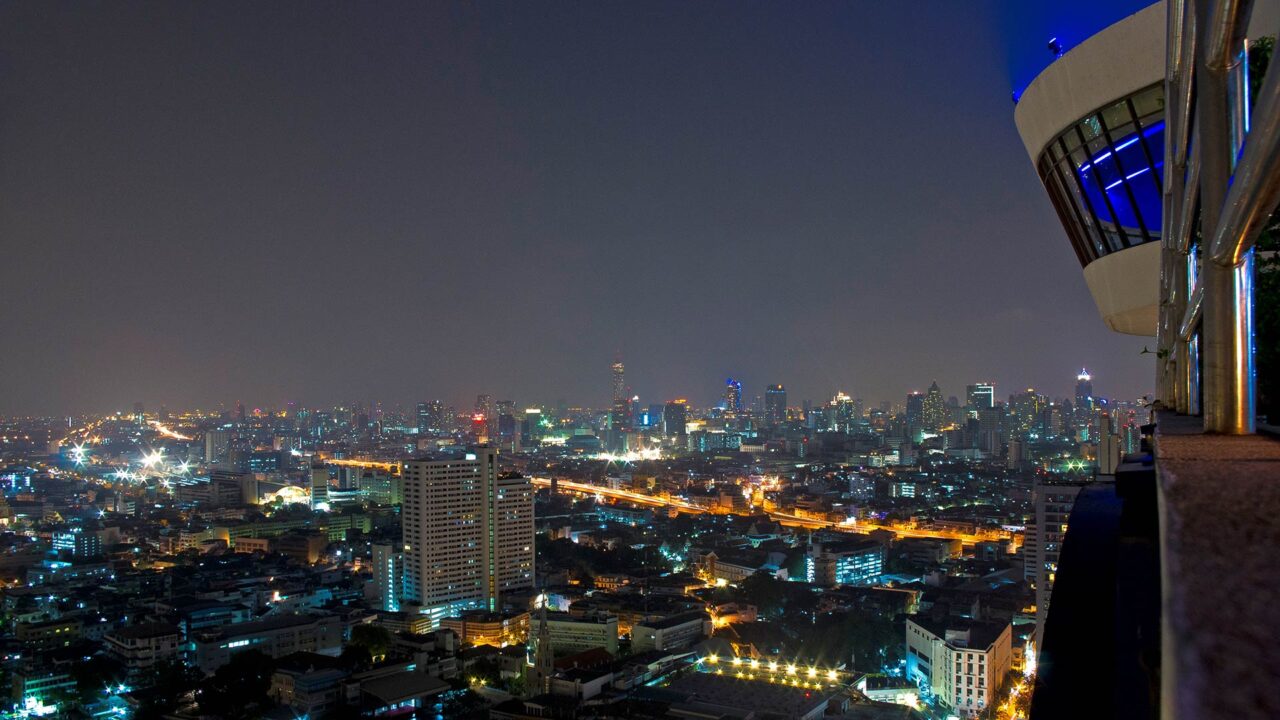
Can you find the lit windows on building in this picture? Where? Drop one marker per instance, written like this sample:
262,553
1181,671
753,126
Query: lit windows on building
852,562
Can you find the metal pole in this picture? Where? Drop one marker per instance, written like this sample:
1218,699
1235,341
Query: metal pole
1165,340
1226,409
1180,46
1255,188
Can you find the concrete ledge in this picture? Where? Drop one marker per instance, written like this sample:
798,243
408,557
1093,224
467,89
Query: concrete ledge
1220,542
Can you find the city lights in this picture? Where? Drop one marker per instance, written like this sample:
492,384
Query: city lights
642,362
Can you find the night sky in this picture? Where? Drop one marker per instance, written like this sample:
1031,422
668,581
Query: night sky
329,202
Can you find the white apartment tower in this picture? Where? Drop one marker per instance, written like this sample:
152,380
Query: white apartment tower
468,533
1045,533
961,662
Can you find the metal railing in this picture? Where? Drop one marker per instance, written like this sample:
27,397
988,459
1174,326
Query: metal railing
1224,176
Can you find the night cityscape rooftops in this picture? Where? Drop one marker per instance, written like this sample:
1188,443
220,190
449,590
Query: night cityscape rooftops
640,361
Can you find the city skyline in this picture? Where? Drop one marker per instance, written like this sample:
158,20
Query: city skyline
491,361
711,397
495,199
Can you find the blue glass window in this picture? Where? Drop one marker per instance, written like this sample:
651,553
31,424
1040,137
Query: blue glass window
1104,175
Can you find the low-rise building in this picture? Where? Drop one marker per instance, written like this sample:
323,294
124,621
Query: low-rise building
929,551
482,627
581,683
570,634
726,567
140,646
276,637
961,662
47,634
41,686
304,547
848,562
399,693
670,633
252,545
310,692
193,615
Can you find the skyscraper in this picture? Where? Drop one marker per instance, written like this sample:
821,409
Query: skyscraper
508,437
319,487
674,417
1109,448
216,445
468,533
842,413
620,419
732,396
531,426
775,404
1024,411
1084,390
933,410
484,411
915,413
980,395
424,418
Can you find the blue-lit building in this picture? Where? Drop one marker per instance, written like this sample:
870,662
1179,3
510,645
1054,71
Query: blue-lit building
849,562
627,516
77,542
1093,124
708,441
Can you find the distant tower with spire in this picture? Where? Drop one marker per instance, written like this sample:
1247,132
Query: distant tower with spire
1084,389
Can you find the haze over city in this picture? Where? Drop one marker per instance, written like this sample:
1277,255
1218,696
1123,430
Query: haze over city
643,360
264,203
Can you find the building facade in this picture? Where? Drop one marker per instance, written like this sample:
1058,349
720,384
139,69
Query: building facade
960,662
274,637
1053,503
467,532
853,562
572,634
1093,124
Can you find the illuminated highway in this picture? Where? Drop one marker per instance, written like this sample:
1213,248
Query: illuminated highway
783,518
629,496
168,432
391,467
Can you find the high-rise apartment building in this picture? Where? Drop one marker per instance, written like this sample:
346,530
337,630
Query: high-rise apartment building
1024,411
388,576
991,429
468,533
1053,503
775,404
431,416
216,445
674,417
319,487
1109,448
914,415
